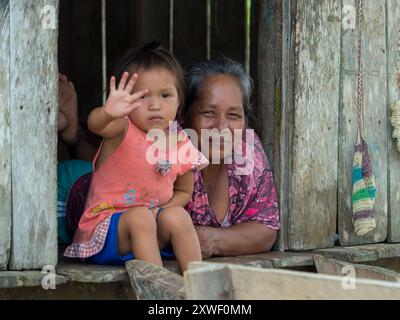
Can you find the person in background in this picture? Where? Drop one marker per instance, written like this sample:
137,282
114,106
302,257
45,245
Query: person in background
234,213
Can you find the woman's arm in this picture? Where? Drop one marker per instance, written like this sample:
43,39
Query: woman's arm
240,239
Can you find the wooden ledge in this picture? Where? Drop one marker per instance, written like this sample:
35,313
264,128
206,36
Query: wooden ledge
223,281
362,253
17,279
73,271
69,270
83,272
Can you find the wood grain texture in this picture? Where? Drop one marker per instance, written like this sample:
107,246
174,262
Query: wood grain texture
33,106
362,253
340,268
393,30
5,138
375,93
313,166
283,154
153,282
245,283
267,62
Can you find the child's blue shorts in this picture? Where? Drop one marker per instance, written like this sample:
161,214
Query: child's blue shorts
109,254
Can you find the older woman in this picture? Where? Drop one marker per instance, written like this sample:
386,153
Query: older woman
235,214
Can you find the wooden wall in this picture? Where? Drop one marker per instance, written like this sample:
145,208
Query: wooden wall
185,28
319,128
393,34
376,122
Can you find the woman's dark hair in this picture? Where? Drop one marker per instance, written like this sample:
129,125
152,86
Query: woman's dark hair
199,72
149,56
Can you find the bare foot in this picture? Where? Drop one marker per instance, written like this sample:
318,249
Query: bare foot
68,106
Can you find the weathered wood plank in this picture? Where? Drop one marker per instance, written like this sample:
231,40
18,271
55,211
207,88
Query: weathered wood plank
362,253
268,86
272,259
16,279
254,34
383,250
348,254
208,281
313,173
393,29
339,268
265,110
5,138
387,263
152,282
374,57
33,106
283,154
237,282
72,291
81,272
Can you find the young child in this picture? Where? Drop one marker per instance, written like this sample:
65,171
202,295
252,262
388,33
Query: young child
135,207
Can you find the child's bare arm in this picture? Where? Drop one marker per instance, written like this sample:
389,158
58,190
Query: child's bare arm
183,189
103,125
108,121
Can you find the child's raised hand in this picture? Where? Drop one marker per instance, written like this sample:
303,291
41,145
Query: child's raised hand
120,101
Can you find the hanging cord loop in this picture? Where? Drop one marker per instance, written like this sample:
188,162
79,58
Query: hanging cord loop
398,64
364,188
395,116
360,80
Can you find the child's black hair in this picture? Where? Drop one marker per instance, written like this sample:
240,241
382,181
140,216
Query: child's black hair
149,56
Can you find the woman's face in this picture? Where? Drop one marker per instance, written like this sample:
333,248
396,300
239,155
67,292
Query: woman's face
220,107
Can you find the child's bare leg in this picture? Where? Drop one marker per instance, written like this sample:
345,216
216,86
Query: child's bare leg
175,225
137,233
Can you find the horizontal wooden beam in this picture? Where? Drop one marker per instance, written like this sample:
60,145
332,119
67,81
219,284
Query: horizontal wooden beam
212,281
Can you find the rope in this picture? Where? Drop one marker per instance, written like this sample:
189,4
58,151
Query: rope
360,84
364,187
398,63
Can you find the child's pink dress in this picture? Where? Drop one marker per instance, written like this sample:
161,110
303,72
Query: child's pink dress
125,180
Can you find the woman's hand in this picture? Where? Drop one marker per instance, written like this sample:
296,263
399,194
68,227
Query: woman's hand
208,241
67,121
121,102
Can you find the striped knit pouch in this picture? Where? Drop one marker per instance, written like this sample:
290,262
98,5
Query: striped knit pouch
364,191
